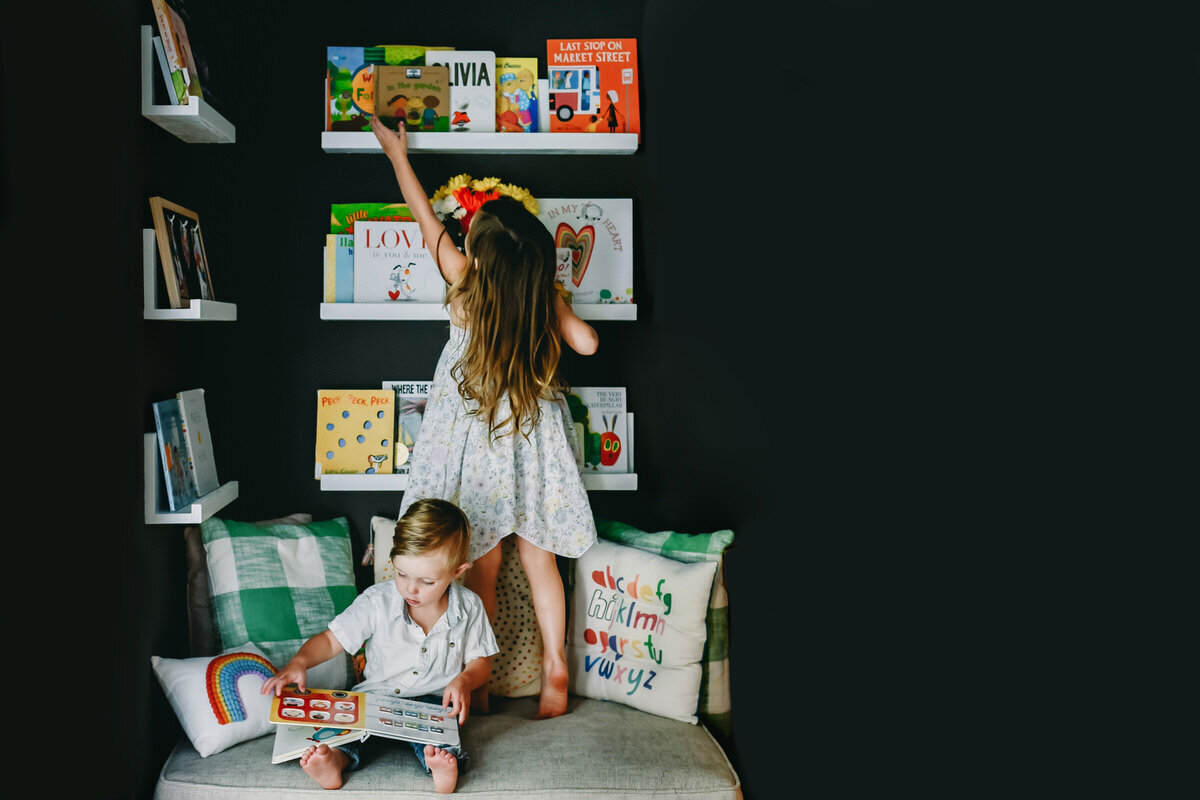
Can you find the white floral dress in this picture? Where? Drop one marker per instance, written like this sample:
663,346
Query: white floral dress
531,487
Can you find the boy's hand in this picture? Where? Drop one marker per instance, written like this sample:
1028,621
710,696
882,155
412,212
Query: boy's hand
289,674
394,144
457,699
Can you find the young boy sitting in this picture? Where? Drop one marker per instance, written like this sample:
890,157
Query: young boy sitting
424,635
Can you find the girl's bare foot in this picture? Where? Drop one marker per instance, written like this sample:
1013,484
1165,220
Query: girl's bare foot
444,767
552,702
324,765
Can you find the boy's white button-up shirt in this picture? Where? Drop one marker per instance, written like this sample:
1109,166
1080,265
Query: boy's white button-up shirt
401,656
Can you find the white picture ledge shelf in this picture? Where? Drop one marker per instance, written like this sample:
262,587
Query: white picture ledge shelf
197,310
391,482
531,143
197,122
199,511
596,312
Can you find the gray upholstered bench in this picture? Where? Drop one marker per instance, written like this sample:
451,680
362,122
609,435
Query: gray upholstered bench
598,748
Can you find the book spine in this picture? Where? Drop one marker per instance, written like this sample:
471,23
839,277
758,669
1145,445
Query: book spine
170,48
330,268
166,70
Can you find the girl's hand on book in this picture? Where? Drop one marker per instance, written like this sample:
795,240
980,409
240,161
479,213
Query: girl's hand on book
394,143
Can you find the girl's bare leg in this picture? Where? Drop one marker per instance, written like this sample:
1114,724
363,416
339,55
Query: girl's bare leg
481,579
550,607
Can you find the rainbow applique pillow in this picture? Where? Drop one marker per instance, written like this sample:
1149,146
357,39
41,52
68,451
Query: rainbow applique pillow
218,699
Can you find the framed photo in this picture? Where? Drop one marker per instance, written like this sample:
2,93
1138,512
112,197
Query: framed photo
181,251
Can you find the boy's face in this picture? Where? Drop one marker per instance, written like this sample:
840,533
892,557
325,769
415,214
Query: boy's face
423,579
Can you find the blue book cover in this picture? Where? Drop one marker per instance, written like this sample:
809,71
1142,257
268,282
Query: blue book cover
339,268
172,454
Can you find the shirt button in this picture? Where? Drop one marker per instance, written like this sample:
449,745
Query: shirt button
422,649
414,672
452,644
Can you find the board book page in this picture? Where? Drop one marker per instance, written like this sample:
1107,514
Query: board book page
373,713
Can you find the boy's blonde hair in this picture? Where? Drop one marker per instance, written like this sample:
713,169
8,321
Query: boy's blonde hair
513,346
430,524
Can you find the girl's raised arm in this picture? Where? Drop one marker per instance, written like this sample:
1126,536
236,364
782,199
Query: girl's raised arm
579,336
450,261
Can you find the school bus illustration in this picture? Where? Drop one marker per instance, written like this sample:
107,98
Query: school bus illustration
574,90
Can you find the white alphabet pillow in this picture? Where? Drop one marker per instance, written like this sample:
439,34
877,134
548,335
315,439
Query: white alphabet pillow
637,629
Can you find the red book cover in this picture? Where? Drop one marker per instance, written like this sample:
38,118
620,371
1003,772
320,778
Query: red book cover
593,86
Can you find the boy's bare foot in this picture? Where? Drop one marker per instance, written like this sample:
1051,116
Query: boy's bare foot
552,702
444,767
324,765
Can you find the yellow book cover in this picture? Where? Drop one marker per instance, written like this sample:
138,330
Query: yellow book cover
516,94
355,431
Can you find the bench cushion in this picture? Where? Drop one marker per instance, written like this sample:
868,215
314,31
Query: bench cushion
599,747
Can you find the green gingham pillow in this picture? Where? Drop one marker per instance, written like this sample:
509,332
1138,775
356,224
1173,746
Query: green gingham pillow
277,585
714,707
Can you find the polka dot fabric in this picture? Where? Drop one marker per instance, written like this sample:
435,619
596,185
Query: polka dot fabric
517,668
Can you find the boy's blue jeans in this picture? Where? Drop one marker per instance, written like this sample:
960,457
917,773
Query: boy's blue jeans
353,750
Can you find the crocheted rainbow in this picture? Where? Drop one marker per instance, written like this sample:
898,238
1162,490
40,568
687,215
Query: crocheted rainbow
221,681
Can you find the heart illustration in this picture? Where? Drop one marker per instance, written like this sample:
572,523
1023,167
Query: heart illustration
580,244
394,295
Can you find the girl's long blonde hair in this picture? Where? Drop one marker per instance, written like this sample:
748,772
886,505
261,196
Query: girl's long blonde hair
507,294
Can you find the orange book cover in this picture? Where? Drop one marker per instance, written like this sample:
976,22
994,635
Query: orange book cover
593,86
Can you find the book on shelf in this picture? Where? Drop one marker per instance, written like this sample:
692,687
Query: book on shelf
342,216
411,397
355,431
517,94
339,268
170,42
601,427
354,716
417,96
202,464
593,85
350,80
172,454
165,69
593,241
193,50
187,55
392,263
472,88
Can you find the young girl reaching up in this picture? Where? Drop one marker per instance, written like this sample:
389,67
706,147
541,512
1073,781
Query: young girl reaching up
497,437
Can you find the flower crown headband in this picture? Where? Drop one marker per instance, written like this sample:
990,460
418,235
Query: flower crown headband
463,195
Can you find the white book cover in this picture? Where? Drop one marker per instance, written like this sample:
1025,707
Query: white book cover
593,239
201,462
392,264
472,88
411,397
600,420
292,740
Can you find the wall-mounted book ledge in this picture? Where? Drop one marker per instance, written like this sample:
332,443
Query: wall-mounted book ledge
391,482
596,312
197,122
197,310
579,144
199,511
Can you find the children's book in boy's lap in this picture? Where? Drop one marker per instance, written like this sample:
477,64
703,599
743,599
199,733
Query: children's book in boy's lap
332,717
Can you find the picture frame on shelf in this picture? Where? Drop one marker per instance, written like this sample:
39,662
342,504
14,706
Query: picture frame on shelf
185,263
